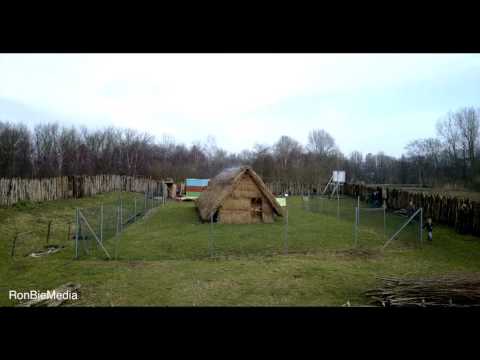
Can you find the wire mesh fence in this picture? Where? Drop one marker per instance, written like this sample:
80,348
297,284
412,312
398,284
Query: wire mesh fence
98,228
370,226
341,207
327,226
373,225
404,231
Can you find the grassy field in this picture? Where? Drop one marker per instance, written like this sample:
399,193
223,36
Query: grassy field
165,259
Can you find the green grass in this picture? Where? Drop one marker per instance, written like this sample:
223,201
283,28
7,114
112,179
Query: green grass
164,258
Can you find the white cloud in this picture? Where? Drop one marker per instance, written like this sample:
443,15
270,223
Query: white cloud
193,95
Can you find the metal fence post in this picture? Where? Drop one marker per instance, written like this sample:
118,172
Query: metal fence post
357,220
358,207
77,229
135,209
355,227
210,236
286,228
101,223
116,246
338,206
421,227
117,220
384,221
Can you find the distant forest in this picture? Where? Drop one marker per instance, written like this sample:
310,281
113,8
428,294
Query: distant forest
50,149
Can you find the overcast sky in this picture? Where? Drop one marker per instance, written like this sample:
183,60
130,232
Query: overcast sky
367,102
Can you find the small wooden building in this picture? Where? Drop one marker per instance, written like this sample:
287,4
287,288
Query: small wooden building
238,196
171,188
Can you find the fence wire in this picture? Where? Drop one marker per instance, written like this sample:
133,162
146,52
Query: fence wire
404,231
370,227
373,225
98,228
341,207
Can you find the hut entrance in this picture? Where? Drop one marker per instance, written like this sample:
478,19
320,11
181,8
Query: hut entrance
256,208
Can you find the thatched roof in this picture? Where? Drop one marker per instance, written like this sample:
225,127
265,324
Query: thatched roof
223,185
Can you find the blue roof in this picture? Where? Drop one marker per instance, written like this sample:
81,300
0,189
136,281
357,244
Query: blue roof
196,182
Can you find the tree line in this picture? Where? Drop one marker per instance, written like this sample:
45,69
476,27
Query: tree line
50,150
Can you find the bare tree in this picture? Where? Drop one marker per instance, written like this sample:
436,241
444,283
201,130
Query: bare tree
468,124
46,150
286,150
15,150
355,161
321,142
51,150
450,137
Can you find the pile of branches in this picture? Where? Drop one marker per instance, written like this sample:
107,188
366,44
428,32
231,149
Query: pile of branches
451,291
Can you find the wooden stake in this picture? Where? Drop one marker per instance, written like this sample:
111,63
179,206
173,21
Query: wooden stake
68,232
48,230
14,244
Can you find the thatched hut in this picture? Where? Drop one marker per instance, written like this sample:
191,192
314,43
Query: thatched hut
238,196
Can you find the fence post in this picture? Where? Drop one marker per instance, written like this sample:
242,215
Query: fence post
358,207
338,206
135,209
14,244
77,230
121,215
357,220
286,228
384,221
355,225
116,246
421,227
48,230
101,223
210,237
117,212
68,232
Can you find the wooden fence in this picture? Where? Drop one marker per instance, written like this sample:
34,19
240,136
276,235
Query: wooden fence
460,213
15,190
